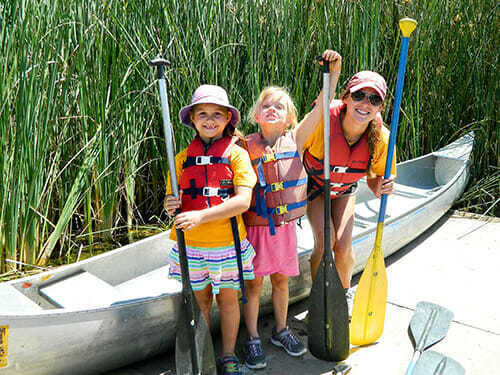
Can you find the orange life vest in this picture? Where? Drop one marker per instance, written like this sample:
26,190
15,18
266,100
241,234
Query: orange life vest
207,178
280,194
348,164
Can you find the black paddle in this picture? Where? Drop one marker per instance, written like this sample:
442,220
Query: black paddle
237,246
428,326
328,322
194,351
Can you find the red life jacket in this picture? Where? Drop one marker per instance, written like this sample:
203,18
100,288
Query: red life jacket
348,164
280,194
207,178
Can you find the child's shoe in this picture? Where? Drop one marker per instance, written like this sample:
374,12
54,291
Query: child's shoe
254,355
230,365
288,341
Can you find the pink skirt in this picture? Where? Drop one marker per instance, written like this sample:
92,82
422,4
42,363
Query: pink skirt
276,253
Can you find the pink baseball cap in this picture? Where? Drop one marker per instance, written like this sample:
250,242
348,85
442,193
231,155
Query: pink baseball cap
367,78
209,94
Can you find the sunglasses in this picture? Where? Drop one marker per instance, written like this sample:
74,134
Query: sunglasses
374,99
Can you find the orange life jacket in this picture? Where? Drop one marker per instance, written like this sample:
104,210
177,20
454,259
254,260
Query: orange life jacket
280,194
348,164
207,178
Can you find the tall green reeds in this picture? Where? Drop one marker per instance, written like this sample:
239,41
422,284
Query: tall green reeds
82,149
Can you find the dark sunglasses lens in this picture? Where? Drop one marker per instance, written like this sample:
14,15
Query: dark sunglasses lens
375,100
358,95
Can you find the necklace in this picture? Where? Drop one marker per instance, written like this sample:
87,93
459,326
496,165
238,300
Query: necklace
350,139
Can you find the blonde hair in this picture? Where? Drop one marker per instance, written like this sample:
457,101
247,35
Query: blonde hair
278,93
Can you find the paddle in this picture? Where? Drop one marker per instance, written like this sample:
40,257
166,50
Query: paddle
237,246
434,363
428,326
194,352
368,313
328,323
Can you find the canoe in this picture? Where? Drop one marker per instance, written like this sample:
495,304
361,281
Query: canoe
119,307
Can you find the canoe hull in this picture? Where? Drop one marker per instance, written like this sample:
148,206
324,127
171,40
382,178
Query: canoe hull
131,311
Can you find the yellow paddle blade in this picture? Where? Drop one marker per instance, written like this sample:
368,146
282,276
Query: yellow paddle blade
368,313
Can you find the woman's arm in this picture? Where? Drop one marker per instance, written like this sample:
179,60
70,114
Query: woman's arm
306,127
379,185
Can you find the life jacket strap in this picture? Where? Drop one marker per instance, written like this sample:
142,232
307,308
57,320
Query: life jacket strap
204,160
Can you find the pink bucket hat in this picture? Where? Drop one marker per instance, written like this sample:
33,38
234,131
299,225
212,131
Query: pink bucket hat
209,94
367,78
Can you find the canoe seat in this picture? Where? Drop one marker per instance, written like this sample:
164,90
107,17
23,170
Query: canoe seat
12,301
81,291
151,284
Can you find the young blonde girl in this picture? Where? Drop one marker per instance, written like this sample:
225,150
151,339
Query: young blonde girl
215,181
279,199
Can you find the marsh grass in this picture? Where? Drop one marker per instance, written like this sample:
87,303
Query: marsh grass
83,151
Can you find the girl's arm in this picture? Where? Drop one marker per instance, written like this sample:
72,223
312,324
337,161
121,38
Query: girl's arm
234,206
306,127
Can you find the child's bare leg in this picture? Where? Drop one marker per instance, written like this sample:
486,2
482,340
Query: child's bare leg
280,299
204,298
251,308
227,300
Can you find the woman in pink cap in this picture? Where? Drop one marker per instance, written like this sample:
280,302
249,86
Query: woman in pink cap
358,148
215,180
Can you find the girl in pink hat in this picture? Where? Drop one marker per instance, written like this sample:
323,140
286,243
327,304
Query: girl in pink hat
358,148
279,199
215,180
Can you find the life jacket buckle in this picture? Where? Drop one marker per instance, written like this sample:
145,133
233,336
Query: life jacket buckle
277,186
266,158
336,184
203,160
210,192
338,169
280,210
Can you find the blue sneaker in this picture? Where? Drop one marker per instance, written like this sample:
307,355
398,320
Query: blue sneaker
254,355
288,341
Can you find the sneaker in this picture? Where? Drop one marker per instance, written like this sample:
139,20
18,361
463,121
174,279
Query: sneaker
288,341
230,365
254,356
349,295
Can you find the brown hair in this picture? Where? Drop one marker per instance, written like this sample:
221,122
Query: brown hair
373,131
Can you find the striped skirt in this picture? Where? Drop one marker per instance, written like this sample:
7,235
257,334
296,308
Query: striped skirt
214,266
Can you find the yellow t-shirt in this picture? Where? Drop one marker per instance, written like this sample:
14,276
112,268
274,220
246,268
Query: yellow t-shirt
218,233
315,145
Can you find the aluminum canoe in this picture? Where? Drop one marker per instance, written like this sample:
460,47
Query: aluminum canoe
120,307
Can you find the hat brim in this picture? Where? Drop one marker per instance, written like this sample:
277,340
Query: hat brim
186,120
364,85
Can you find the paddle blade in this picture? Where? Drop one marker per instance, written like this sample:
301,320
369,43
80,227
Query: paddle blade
328,321
197,358
429,325
434,363
368,312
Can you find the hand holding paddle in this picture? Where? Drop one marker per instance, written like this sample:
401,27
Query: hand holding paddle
194,352
368,313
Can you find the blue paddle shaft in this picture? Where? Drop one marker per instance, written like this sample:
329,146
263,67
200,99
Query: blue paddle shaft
395,120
